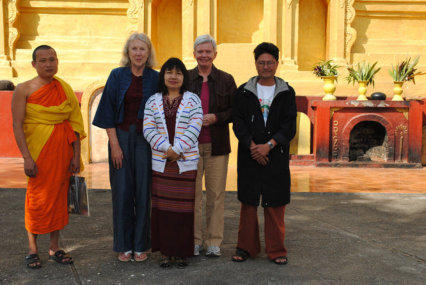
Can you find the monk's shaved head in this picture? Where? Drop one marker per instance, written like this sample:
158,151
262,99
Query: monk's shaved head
42,47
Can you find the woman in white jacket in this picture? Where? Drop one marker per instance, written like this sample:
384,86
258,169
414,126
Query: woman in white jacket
172,123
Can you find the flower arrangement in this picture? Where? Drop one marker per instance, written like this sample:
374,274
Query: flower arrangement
326,68
405,70
363,72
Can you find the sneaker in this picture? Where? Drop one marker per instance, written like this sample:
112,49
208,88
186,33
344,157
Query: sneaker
197,249
213,251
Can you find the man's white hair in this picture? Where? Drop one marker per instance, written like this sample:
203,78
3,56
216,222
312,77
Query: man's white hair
205,39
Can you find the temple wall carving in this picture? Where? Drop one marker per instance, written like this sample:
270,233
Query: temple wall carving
12,23
350,32
135,14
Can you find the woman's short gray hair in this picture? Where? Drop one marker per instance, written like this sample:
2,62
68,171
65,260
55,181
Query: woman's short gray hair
205,39
125,60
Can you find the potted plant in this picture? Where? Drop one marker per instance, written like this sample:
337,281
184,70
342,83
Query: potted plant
363,73
404,71
327,70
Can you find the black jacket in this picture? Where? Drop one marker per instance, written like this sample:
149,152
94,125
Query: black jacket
272,181
221,88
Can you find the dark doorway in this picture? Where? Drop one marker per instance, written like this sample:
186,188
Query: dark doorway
368,142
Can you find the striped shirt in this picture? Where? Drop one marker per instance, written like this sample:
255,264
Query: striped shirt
189,119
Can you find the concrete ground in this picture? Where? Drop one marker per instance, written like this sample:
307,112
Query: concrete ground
332,238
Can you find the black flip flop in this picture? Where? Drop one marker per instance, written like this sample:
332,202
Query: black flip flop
240,255
165,262
33,259
181,263
275,260
59,257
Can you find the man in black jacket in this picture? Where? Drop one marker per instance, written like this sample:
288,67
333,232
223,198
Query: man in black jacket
264,121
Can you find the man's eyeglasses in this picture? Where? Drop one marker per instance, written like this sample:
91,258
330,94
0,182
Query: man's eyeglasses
266,63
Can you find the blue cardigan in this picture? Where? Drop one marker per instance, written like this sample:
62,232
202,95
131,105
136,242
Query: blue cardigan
110,111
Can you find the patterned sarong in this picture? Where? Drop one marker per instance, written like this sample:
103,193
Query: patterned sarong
172,219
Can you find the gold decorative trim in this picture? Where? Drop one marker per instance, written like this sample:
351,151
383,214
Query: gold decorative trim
73,10
290,2
350,33
332,110
403,111
335,147
135,15
392,8
402,130
13,13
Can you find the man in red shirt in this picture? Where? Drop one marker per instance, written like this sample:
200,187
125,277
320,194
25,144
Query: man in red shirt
215,88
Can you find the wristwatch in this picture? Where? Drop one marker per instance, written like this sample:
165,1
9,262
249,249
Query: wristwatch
271,145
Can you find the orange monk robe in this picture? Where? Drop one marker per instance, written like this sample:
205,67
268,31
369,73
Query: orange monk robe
52,116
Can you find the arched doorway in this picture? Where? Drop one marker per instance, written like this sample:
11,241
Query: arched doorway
98,139
368,141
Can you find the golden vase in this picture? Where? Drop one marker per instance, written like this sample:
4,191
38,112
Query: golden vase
329,88
397,91
362,89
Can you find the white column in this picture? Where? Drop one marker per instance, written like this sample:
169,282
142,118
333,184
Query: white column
270,20
290,34
336,31
203,17
188,28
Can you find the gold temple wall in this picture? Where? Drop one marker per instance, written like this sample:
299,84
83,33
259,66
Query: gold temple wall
230,17
312,33
89,34
86,34
166,29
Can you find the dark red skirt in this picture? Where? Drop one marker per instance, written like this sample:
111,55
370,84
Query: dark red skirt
172,217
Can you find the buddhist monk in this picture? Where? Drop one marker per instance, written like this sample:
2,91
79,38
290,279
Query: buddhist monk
48,127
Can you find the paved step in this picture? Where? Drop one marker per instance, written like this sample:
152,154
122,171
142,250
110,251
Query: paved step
302,160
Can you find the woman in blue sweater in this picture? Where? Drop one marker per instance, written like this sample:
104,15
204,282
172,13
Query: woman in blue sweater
120,112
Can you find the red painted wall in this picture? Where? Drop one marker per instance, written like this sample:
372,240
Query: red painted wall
8,147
